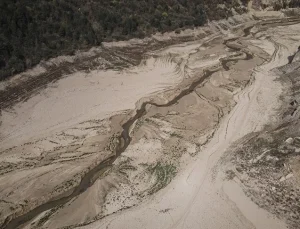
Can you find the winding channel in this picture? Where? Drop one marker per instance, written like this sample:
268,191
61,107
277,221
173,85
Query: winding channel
124,141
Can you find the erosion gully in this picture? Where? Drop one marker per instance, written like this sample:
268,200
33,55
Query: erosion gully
124,141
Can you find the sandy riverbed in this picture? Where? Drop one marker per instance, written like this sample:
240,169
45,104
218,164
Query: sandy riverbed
170,175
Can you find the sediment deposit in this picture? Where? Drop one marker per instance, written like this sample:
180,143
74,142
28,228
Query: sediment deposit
145,133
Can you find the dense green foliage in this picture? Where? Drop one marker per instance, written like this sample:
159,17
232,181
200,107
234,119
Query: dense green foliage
32,30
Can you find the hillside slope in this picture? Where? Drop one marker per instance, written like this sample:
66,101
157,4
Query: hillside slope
32,30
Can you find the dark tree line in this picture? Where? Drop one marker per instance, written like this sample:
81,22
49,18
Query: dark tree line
32,30
294,4
286,4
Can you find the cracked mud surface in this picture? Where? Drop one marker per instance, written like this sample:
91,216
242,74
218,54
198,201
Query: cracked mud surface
87,166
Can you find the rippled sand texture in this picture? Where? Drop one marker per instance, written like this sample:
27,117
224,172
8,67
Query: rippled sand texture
201,91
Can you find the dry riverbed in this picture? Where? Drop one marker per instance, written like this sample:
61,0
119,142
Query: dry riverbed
131,134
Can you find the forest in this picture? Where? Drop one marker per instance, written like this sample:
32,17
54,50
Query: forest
35,30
